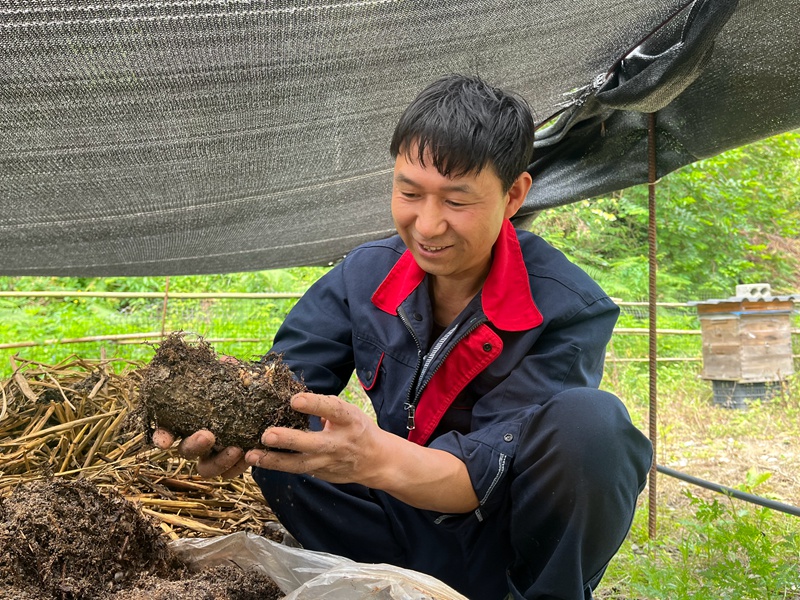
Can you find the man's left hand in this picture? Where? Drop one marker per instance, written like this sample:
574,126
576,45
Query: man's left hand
351,448
346,450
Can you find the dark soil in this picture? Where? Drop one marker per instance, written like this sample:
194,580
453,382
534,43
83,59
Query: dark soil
217,583
65,540
186,387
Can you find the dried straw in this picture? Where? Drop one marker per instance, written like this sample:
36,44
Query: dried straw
71,420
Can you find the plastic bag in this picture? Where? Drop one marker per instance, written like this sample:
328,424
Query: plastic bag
306,575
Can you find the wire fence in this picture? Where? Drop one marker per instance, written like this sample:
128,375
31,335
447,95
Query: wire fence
48,326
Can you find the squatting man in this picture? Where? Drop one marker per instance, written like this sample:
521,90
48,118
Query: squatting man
495,463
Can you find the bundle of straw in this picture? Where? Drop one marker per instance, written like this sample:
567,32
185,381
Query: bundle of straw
71,420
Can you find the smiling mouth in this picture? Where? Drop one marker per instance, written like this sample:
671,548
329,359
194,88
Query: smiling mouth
432,248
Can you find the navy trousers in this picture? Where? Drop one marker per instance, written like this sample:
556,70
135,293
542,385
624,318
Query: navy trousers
577,473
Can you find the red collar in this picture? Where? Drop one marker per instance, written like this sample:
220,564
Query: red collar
506,295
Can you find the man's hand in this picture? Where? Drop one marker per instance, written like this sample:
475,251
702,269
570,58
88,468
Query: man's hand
347,450
228,462
351,448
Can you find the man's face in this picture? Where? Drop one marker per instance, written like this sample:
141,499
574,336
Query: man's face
451,223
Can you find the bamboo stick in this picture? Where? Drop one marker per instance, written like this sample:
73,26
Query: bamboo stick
210,340
50,431
661,360
184,522
156,295
173,504
61,391
71,450
19,379
98,386
98,439
643,331
92,338
35,427
4,409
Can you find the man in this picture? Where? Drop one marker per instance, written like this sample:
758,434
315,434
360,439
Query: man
495,464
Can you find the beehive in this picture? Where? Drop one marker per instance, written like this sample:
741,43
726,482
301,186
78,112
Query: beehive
747,338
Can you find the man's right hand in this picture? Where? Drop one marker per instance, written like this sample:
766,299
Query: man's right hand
227,463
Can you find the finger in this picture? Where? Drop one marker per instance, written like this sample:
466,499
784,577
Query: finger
222,462
198,444
286,438
282,461
330,408
163,439
236,470
253,457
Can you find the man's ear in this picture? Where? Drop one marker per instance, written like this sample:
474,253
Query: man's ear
517,193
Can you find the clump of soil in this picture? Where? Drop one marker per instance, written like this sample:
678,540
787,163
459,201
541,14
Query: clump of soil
186,387
64,540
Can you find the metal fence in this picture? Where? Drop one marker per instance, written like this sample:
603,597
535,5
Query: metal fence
244,324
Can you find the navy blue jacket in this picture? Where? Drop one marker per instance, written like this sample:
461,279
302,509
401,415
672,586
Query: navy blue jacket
539,325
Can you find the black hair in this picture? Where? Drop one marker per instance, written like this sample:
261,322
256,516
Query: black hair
463,124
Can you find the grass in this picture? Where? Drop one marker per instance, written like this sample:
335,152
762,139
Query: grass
720,548
41,319
711,546
59,319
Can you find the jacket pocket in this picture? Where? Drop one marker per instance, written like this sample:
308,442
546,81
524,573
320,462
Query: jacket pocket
368,374
370,370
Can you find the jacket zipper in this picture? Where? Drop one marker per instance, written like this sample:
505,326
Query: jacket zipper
415,389
409,406
428,358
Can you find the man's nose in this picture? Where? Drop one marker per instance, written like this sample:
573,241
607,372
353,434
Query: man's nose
430,219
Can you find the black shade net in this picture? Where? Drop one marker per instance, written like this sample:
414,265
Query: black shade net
209,136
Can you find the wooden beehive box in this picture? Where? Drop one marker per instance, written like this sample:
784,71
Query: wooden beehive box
746,340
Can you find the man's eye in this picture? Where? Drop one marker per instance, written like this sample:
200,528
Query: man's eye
455,204
409,195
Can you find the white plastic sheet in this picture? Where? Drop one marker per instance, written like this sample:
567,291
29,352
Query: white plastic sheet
306,575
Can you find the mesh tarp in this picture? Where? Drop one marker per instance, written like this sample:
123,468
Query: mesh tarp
197,136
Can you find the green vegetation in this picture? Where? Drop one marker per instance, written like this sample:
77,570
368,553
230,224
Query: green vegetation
710,546
730,219
40,319
723,548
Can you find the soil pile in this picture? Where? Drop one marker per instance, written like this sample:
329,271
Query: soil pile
186,387
64,540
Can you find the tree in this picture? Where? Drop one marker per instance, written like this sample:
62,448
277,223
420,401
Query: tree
733,218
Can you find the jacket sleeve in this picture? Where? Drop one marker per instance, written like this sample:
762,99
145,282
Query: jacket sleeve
315,339
569,353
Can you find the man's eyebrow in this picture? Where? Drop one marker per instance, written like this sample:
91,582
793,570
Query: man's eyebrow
463,187
400,178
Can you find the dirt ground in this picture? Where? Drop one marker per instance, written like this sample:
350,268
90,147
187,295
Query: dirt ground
63,432
65,540
723,445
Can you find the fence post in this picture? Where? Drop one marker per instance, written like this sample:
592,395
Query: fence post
652,296
164,310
